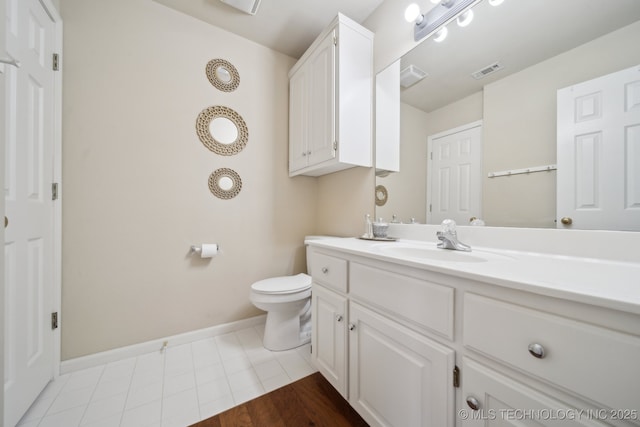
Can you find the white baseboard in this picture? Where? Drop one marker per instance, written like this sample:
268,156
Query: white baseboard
134,350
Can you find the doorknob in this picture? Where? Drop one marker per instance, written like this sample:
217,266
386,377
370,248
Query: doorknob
566,220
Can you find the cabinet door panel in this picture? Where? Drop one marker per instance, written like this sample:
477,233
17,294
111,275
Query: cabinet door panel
322,76
397,377
298,121
505,402
329,337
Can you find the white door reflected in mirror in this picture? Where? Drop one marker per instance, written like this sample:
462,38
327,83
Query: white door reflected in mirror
223,130
225,183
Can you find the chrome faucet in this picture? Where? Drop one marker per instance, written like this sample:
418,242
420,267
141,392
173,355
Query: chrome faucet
449,237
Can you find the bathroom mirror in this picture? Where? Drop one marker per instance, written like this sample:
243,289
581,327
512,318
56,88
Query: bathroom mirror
222,130
524,51
223,75
225,183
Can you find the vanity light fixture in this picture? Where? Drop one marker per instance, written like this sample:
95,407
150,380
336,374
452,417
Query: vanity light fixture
439,16
465,18
440,35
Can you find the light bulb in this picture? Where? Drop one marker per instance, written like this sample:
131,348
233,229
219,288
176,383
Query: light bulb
466,18
441,34
412,12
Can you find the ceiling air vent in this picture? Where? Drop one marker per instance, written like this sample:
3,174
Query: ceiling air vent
411,75
496,66
247,6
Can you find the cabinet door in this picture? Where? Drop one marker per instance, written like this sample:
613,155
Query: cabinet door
298,120
322,100
396,376
329,337
491,399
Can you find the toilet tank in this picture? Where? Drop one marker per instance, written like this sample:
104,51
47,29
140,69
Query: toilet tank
306,241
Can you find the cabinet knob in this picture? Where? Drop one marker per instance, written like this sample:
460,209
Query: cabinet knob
339,318
473,403
352,326
566,220
309,152
304,153
537,351
325,270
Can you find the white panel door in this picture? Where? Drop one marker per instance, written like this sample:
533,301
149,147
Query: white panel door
322,102
454,179
329,337
493,400
599,153
29,360
298,120
398,378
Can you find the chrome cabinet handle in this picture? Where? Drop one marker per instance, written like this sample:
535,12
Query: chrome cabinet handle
537,351
325,270
339,318
473,403
352,326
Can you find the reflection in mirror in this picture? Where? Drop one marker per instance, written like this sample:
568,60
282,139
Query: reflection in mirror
225,183
223,74
523,54
223,130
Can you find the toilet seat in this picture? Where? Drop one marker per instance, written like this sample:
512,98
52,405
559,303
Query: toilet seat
282,285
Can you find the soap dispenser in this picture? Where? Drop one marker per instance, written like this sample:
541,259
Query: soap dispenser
368,227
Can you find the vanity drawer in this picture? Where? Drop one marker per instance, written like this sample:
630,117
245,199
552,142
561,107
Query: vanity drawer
418,302
597,363
329,271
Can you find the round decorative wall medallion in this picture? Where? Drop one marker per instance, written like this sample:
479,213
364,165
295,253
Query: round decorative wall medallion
225,183
381,195
222,130
223,75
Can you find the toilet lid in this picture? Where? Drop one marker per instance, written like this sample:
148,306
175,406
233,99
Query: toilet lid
283,285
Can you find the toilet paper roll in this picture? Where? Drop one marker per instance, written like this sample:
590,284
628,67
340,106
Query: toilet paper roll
209,250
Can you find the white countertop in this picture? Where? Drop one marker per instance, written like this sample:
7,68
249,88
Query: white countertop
611,284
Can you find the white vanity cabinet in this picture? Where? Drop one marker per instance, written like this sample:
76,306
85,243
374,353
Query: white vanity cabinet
331,102
376,357
419,345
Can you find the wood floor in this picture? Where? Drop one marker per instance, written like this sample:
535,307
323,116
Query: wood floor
311,401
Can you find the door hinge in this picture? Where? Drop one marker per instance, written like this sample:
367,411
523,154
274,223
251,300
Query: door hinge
429,207
54,320
56,62
54,191
431,155
335,39
456,377
335,145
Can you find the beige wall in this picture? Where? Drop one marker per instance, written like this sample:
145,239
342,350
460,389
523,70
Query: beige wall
520,126
135,195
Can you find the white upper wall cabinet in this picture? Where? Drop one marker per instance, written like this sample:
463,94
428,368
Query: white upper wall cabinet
331,102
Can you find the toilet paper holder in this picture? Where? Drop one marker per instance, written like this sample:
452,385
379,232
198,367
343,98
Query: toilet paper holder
195,249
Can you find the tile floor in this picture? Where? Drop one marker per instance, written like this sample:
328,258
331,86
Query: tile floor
175,388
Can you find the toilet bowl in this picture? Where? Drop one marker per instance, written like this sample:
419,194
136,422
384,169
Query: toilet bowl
287,301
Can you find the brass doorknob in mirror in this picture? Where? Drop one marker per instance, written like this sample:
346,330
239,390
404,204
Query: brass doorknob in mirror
566,220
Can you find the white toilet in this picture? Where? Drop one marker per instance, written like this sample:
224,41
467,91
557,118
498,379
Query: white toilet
287,301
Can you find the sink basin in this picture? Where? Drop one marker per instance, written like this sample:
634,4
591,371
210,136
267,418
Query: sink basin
432,253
